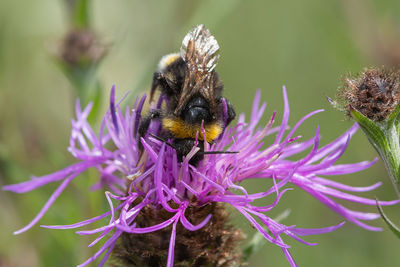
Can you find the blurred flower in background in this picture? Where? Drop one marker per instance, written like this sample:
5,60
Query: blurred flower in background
80,53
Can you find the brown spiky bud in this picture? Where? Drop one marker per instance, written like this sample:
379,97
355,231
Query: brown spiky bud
373,92
81,46
216,244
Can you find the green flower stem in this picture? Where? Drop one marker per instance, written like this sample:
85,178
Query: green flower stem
79,13
81,55
88,87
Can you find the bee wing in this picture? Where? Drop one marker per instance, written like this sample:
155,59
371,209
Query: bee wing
200,51
200,48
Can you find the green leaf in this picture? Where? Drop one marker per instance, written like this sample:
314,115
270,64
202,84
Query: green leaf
394,116
384,137
389,223
374,133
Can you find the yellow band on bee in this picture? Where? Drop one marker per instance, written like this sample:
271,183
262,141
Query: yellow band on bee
181,130
168,60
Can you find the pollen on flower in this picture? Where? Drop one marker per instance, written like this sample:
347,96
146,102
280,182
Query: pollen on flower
374,92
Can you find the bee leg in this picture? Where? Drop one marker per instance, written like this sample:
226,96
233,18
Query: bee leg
156,82
145,123
165,84
184,146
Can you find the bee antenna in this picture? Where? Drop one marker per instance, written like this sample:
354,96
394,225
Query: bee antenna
162,140
217,152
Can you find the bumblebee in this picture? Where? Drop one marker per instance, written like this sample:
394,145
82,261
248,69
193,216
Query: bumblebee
192,91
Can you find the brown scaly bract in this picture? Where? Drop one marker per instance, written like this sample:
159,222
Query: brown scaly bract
215,245
373,92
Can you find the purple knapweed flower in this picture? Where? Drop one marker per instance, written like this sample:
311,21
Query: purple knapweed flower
150,176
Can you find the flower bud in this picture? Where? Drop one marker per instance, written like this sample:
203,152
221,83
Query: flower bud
81,47
372,100
374,93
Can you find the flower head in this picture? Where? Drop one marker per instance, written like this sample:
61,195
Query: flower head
144,175
81,47
374,92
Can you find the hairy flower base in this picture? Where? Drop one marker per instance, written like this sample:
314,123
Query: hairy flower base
153,178
213,245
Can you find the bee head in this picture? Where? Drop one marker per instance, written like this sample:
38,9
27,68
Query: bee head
196,111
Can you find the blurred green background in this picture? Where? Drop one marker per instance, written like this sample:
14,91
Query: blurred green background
306,45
